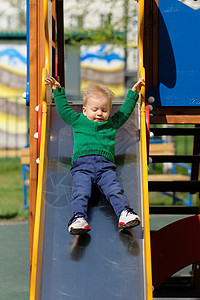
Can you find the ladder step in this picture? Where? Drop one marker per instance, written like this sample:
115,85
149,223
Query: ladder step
192,186
175,158
173,210
175,131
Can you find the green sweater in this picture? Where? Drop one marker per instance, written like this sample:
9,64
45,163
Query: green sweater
94,138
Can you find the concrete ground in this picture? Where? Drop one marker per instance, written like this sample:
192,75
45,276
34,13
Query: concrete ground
14,261
14,265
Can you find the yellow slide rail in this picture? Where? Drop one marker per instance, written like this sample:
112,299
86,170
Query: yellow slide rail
144,177
35,280
39,217
45,70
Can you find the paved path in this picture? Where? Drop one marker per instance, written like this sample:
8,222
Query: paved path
14,261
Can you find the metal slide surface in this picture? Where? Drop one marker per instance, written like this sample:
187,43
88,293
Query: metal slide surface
104,264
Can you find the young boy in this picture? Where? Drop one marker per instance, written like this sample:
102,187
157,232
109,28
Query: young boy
94,148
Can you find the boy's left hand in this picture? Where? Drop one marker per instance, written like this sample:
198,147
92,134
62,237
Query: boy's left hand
137,86
52,82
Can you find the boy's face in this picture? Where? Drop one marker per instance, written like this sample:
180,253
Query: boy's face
97,108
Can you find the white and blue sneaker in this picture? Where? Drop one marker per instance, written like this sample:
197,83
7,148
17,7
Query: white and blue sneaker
78,225
128,219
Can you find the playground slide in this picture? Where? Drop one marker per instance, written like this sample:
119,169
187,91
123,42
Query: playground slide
104,263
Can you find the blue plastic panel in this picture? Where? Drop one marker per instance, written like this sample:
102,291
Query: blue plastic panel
179,51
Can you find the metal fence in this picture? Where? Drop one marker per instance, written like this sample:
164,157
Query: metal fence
13,125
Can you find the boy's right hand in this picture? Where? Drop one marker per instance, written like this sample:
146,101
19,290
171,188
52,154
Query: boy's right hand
54,84
137,86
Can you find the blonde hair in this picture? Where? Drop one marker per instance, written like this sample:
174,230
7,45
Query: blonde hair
94,89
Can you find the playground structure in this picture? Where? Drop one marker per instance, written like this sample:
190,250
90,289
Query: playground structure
169,73
53,265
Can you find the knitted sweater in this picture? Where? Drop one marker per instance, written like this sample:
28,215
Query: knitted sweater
94,138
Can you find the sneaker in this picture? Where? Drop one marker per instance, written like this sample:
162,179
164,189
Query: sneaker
78,225
128,219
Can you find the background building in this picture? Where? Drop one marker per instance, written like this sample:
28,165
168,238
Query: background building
109,58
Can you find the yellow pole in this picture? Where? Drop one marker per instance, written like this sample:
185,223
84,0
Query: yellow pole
144,177
35,280
39,216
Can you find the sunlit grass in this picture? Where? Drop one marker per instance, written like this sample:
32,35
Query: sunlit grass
11,190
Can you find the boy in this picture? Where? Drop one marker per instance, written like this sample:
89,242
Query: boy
94,148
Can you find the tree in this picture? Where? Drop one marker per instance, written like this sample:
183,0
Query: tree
15,10
100,21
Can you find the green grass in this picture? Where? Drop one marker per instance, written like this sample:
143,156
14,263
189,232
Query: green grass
11,187
11,190
183,146
156,198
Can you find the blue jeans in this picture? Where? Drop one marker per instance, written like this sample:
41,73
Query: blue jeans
95,169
